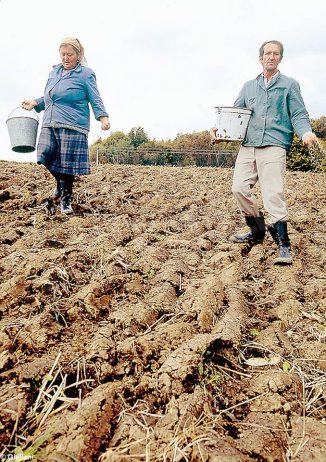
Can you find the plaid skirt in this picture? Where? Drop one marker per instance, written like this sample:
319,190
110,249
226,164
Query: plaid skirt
63,150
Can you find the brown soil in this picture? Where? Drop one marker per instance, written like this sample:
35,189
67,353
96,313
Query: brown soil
134,330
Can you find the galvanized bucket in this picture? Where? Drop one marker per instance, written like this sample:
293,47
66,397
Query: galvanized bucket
232,122
22,129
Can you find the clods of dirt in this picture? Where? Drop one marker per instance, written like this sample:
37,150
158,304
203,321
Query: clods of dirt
134,329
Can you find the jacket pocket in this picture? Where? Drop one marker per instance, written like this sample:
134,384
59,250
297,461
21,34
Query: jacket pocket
251,103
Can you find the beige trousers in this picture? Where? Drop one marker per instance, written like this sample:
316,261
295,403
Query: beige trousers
266,165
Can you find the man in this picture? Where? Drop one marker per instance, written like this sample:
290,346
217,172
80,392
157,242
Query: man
278,111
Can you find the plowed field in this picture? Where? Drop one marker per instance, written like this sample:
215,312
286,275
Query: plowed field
134,330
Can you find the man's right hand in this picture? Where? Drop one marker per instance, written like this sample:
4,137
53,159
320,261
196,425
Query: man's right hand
214,139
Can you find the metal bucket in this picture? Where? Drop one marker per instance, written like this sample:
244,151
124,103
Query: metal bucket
22,130
232,122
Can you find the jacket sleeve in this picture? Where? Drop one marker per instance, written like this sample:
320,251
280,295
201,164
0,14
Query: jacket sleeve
40,104
297,111
240,101
94,97
40,101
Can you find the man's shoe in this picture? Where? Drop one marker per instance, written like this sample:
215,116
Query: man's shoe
245,238
285,257
256,234
279,232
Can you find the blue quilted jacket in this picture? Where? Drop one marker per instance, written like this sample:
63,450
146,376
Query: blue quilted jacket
67,97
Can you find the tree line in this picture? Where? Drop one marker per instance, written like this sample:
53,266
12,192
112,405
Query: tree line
195,149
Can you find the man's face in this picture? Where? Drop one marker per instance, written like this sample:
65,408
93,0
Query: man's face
271,57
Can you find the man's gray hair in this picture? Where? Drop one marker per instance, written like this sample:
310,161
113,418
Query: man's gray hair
276,42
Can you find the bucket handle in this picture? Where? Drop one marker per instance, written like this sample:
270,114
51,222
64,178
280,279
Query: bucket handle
19,107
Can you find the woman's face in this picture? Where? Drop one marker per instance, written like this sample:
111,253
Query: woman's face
69,56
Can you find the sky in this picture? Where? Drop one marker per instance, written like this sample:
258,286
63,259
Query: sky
162,65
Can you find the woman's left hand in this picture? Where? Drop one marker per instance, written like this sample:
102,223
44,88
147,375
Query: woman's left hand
105,123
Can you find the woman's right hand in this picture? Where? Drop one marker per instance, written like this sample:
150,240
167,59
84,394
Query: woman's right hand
29,104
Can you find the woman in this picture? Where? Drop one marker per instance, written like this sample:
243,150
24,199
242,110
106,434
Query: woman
63,147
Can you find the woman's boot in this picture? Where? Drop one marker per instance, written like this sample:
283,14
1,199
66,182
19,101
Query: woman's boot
57,190
66,183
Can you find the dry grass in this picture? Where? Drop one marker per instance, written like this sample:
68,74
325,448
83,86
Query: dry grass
51,399
191,433
313,384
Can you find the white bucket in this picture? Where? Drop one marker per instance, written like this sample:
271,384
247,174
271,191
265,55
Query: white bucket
232,122
22,130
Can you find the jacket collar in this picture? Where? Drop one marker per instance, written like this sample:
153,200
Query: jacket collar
78,68
261,83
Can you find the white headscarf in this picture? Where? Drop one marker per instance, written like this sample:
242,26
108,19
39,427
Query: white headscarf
73,41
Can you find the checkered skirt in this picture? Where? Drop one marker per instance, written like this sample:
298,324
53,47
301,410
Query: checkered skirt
63,150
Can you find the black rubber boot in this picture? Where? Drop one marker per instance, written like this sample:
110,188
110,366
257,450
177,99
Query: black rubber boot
256,234
57,190
273,233
279,232
66,183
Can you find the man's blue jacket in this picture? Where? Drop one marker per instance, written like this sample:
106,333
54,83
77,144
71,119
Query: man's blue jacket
278,111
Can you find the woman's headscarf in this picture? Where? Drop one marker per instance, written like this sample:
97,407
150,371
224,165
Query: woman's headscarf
73,41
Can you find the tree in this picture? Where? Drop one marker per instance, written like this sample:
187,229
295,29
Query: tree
191,141
319,127
116,138
301,158
120,152
137,147
97,151
298,157
304,159
137,136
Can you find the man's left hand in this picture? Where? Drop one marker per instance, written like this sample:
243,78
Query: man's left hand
309,139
